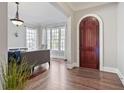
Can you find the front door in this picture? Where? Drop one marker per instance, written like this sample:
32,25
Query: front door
89,43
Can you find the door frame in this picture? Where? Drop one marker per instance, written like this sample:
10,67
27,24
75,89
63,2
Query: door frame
101,59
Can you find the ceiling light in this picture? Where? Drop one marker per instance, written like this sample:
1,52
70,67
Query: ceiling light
16,21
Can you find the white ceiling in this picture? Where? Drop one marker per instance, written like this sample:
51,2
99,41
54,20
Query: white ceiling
75,6
36,13
45,13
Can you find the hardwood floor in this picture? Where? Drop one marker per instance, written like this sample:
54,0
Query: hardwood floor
57,77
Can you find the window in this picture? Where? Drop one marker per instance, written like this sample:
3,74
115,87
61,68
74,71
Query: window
48,38
62,40
56,38
31,41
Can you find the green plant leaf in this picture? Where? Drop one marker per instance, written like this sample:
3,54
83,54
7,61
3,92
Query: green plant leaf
15,75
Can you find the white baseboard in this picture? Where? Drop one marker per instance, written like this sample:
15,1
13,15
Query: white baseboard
61,57
115,70
70,66
106,69
110,69
120,76
75,64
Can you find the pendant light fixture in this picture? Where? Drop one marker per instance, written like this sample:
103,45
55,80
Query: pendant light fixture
16,21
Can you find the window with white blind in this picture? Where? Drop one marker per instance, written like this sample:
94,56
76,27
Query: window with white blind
62,39
31,38
56,38
48,39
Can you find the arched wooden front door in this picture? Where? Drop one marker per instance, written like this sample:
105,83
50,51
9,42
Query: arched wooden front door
89,43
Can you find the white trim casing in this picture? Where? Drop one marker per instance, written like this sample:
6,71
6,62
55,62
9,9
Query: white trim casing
68,43
101,59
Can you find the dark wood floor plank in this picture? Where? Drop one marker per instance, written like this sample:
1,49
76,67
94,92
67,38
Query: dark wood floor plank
60,78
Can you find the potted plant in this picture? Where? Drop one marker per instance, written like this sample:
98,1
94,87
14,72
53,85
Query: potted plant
15,76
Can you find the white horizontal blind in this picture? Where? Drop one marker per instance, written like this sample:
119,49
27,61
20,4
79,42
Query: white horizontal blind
56,40
31,38
62,39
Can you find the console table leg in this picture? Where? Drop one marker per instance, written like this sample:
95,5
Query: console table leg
49,64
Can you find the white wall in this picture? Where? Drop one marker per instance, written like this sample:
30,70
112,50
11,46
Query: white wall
39,37
3,32
121,37
20,41
108,14
13,41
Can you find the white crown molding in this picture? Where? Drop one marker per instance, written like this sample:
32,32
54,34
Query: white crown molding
63,7
87,6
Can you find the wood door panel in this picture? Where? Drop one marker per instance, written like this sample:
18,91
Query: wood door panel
89,43
89,57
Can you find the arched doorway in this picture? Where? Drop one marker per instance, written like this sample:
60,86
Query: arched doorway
89,42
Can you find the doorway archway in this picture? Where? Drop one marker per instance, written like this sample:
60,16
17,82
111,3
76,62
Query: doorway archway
100,40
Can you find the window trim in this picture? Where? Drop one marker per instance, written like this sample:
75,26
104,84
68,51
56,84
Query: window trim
36,39
59,28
